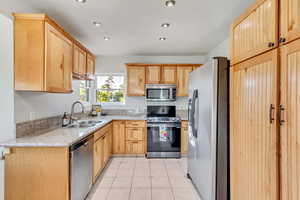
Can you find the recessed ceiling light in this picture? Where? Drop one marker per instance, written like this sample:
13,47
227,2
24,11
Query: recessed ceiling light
81,1
162,38
165,25
106,38
170,3
97,23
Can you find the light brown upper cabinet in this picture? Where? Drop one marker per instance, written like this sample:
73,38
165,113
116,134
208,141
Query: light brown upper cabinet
58,61
90,66
183,80
290,120
80,61
256,31
153,74
169,74
136,79
253,128
289,20
44,55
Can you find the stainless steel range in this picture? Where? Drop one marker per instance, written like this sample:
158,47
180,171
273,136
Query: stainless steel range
163,132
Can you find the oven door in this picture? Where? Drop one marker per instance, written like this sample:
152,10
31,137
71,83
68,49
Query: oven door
159,94
163,140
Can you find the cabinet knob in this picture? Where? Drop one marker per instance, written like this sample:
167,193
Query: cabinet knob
271,44
282,40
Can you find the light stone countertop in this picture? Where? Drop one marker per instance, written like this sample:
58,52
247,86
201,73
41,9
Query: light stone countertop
65,137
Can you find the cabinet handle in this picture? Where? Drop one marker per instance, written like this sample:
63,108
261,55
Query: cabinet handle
282,40
281,120
271,113
271,44
62,62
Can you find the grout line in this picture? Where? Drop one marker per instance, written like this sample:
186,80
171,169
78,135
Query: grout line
150,177
114,178
132,179
173,194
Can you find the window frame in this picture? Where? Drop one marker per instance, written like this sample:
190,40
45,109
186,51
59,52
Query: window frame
87,88
119,89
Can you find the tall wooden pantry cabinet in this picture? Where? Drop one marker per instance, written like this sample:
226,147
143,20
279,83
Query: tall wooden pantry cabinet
265,102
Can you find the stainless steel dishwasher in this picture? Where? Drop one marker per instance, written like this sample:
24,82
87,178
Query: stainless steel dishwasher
81,162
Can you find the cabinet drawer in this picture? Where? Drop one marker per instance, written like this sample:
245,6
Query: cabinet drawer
135,147
135,134
134,123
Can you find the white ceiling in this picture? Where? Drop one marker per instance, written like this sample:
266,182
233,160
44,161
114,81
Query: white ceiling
134,25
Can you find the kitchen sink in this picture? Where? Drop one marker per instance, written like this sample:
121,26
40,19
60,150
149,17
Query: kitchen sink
84,123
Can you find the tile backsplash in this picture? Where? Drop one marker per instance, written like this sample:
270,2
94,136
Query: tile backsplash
38,127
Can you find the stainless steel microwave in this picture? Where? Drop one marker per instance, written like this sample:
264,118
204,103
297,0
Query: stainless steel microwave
160,92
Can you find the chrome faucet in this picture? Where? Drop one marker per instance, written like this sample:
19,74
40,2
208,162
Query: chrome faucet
72,111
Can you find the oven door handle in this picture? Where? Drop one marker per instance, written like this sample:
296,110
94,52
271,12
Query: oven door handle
163,125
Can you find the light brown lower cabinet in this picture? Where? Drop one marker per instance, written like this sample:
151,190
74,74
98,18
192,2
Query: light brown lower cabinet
136,137
98,157
33,173
184,137
253,135
119,137
102,149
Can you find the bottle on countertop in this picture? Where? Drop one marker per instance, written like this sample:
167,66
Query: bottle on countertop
65,120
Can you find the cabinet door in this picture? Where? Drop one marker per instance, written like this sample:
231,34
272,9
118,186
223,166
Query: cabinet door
136,81
90,68
184,137
98,157
38,173
59,54
290,20
135,147
183,80
253,132
169,74
119,137
289,130
75,59
153,74
256,31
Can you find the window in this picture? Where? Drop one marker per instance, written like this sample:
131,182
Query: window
84,91
110,89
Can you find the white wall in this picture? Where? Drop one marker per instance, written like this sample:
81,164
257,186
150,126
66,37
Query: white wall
221,49
7,125
37,105
116,64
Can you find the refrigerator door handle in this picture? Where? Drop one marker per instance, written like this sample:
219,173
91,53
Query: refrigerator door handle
193,106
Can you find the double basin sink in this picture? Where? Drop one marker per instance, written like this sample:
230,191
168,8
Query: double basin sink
84,123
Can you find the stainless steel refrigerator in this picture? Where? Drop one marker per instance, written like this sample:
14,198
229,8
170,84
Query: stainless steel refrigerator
208,157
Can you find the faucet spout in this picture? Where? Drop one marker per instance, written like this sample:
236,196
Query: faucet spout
73,110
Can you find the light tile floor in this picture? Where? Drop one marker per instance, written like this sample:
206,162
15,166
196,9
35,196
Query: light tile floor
138,178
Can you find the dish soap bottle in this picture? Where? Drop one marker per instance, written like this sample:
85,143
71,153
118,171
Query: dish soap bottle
65,120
